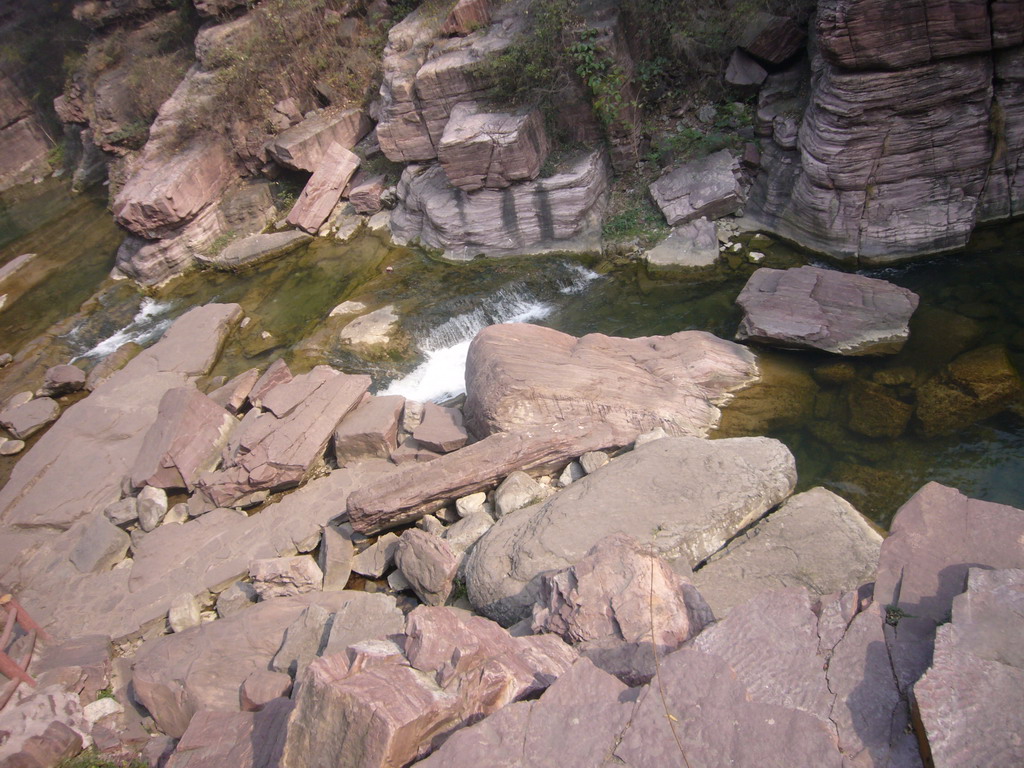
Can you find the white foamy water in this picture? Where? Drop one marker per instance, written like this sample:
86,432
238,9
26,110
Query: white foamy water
148,324
442,375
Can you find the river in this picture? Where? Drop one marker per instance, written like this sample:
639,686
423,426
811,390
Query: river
65,302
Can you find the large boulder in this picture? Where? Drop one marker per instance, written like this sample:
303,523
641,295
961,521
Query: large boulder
452,669
27,418
371,430
521,376
77,467
815,308
492,149
971,699
561,212
815,540
685,497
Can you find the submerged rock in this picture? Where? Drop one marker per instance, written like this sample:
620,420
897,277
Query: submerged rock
254,250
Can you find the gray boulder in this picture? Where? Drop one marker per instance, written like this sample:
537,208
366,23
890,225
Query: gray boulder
813,308
371,430
101,545
26,419
441,429
687,495
62,379
693,245
516,491
285,576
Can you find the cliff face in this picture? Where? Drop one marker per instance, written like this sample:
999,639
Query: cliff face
912,132
23,145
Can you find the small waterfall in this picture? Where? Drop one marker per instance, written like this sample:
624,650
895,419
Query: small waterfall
442,375
148,324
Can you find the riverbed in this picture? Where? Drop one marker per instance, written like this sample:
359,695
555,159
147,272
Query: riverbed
65,302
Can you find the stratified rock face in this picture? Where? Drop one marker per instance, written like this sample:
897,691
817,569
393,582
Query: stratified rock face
912,134
521,376
810,307
815,540
708,187
304,146
684,496
935,538
425,78
77,467
492,149
394,702
971,699
560,212
23,144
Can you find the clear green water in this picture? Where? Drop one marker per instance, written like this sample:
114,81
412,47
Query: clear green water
289,301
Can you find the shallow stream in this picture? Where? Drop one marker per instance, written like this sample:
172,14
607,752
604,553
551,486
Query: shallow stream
968,300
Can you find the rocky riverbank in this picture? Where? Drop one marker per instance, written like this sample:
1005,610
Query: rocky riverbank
667,586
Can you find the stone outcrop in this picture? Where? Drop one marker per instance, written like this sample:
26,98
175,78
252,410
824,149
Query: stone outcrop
815,540
866,180
561,212
396,701
305,147
521,376
424,78
691,494
324,189
935,538
492,149
709,187
77,467
811,307
255,249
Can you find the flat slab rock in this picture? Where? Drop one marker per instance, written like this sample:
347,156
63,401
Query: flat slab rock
690,246
255,249
814,308
305,146
815,540
521,376
687,495
324,189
